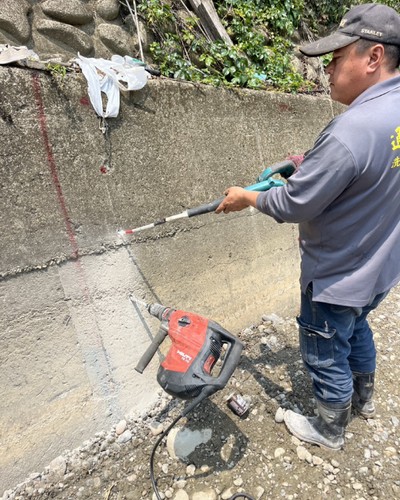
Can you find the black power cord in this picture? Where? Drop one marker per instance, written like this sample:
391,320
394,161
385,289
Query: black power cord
187,410
153,481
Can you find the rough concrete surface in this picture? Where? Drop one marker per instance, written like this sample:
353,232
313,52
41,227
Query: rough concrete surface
213,454
70,336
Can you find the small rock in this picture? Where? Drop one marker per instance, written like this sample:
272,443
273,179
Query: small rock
304,454
181,495
190,470
390,451
125,437
225,495
238,481
357,486
156,428
279,452
154,496
58,466
367,454
280,412
259,492
97,482
205,495
120,427
273,318
180,483
317,460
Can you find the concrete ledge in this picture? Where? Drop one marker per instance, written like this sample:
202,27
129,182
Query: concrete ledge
70,337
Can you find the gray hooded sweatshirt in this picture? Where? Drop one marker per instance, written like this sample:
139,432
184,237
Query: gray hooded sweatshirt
346,200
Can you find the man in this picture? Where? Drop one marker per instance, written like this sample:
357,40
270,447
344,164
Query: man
346,199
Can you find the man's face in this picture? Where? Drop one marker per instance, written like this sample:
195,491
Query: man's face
348,74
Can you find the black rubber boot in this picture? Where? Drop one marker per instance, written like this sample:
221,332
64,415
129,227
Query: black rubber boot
363,390
326,429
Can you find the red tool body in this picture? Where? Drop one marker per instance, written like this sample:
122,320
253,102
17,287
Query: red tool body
197,343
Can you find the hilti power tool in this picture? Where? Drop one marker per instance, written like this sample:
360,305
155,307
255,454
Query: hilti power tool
197,344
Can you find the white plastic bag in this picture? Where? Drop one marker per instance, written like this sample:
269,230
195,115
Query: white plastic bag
109,77
9,54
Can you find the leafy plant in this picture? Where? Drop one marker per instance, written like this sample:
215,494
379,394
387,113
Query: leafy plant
261,31
57,69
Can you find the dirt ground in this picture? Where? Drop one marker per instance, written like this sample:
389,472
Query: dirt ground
253,455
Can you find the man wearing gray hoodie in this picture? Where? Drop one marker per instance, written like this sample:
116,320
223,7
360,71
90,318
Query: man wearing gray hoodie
346,199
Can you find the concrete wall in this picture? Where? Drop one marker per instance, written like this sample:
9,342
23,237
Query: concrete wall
69,335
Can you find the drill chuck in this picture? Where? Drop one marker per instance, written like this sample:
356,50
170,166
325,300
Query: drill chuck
157,310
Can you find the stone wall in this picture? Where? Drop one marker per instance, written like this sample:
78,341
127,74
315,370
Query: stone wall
59,29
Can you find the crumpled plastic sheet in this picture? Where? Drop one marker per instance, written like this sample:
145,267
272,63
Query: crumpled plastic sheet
9,54
109,77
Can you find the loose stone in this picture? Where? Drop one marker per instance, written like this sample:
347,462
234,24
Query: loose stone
279,452
304,454
279,415
120,427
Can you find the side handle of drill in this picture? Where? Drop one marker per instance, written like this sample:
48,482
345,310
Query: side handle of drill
162,313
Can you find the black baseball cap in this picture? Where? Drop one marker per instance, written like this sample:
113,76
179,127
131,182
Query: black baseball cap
370,21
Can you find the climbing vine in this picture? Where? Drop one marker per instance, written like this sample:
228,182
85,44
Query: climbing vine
263,33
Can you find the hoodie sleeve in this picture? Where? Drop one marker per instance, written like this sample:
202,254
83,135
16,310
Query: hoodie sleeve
328,169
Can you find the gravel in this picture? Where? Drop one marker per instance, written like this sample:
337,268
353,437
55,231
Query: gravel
256,454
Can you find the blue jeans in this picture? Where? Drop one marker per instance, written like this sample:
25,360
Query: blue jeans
334,342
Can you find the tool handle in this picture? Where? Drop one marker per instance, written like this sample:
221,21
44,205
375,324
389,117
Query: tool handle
231,358
285,168
231,361
213,205
205,209
151,350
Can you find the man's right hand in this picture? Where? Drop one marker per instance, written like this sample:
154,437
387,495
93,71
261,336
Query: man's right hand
236,199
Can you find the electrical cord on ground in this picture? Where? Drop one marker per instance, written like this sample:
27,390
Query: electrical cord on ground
187,410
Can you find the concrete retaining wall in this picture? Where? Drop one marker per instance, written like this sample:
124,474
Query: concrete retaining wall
69,335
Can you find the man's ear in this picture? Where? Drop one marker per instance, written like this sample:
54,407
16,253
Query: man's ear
376,56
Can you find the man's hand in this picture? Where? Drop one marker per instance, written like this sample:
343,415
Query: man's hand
236,199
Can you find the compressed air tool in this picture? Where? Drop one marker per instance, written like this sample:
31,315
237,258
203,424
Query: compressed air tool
197,344
264,182
201,359
285,168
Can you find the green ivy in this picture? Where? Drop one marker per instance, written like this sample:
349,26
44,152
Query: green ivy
261,31
157,12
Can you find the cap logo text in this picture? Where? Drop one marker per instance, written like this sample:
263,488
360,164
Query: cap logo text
366,31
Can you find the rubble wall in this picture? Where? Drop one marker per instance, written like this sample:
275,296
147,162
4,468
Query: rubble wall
58,30
70,336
